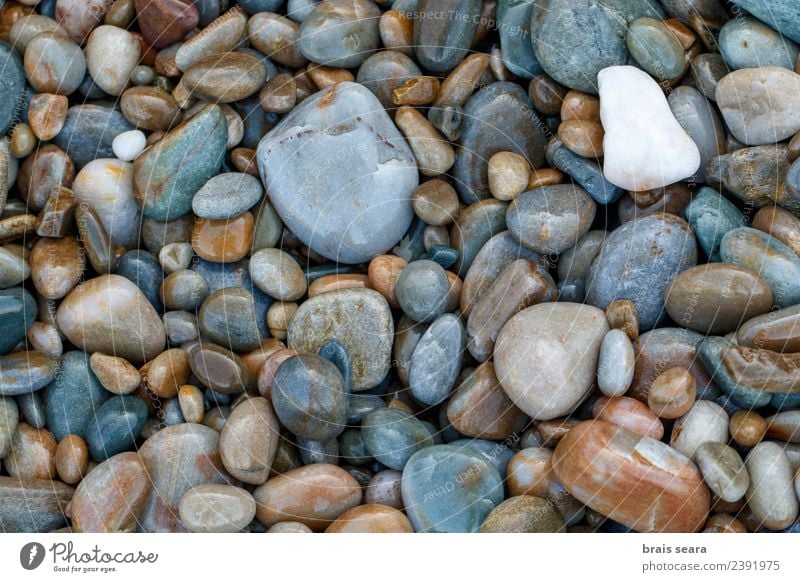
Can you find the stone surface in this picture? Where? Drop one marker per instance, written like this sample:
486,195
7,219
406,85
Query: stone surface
523,514
440,43
705,422
18,311
216,509
12,88
227,195
771,496
340,33
748,43
371,518
392,436
111,55
228,318
33,505
616,363
782,15
89,131
723,470
436,361
711,216
115,426
777,331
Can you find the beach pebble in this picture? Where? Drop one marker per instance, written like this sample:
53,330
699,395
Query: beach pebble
771,494
216,509
615,366
128,145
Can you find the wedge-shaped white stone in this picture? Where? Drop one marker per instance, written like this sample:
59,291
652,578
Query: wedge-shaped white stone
644,146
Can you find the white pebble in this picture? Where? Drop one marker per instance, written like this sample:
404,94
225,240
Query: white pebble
616,364
129,144
644,145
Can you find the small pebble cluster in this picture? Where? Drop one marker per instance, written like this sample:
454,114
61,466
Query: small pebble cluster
399,266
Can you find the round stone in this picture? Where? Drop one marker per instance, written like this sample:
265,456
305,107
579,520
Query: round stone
436,361
340,33
116,426
655,47
672,393
128,145
249,440
747,43
216,509
223,241
227,195
723,470
422,289
371,518
278,275
392,435
440,43
219,369
72,459
111,55
54,64
228,318
167,372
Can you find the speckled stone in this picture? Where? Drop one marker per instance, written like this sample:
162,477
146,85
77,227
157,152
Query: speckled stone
219,369
278,274
362,196
782,15
115,426
216,509
754,175
46,169
422,289
18,311
392,436
638,261
436,360
167,175
656,48
516,47
358,318
438,497
746,43
12,87
227,195
25,372
723,470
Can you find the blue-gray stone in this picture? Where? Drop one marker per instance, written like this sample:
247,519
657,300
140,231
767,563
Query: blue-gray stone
441,254
255,6
228,318
700,120
748,43
584,171
709,351
500,117
338,355
443,32
360,405
227,195
89,130
782,15
436,361
318,451
340,174
392,436
776,263
497,453
354,451
115,427
575,39
208,10
785,401
422,290
516,44
91,90
32,409
475,226
12,85
447,119
412,246
385,71
73,398
707,69
299,10
143,268
170,413
18,311
450,489
654,46
309,397
638,261
711,216
340,33
791,196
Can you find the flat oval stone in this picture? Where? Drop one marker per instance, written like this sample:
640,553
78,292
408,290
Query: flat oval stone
711,216
371,518
599,463
112,497
656,48
710,352
219,369
178,458
278,274
44,170
33,505
551,219
249,440
738,295
628,413
47,114
216,509
723,470
187,289
228,318
441,42
73,398
782,15
340,33
18,311
422,289
516,48
87,318
778,331
760,105
700,120
555,346
12,87
638,261
616,363
164,22
524,514
276,36
227,195
115,426
767,256
54,64
705,422
89,131
771,496
781,224
361,198
438,497
436,361
392,435
167,175
56,266
672,393
315,496
167,372
360,319
748,43
499,117
473,227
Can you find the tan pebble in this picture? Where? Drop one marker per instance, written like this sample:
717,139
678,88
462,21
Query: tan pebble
72,459
454,294
167,372
212,508
771,495
278,317
433,152
706,421
249,440
289,527
384,489
672,393
266,375
190,400
523,514
747,427
323,76
56,266
552,431
397,32
781,224
255,359
546,95
371,518
583,137
117,375
22,140
436,202
32,454
43,337
622,314
724,523
509,173
244,160
629,413
330,283
277,37
223,241
685,36
545,177
416,91
149,108
279,95
577,105
47,114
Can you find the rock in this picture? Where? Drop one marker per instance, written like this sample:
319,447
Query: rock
767,256
44,170
599,462
384,489
18,311
9,419
473,228
86,316
371,518
760,105
438,497
628,413
112,497
762,370
535,347
705,422
782,15
747,428
523,514
315,496
54,64
32,454
754,175
723,471
436,361
278,274
576,61
164,22
228,318
25,372
778,331
636,128
710,352
392,436
584,171
219,369
115,426
551,219
111,55
32,505
167,372
711,216
700,120
498,118
128,145
72,459
672,393
56,266
516,47
616,364
178,459
13,87
276,36
638,261
224,78
770,495
47,114
340,33
422,289
167,175
249,440
217,509
748,43
227,195
360,319
89,132
310,397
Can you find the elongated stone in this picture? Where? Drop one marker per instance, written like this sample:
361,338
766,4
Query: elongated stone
710,351
516,43
89,131
33,505
584,171
723,470
778,331
771,496
249,440
18,311
436,360
754,175
440,43
762,369
711,217
217,509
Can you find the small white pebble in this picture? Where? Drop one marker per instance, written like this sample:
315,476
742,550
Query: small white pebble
129,144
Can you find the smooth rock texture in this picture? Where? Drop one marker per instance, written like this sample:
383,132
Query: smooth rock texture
111,54
555,347
216,509
436,361
89,132
700,120
18,311
441,42
777,331
11,90
747,43
644,146
115,426
782,15
711,216
615,365
723,470
227,195
340,33
392,436
771,495
360,197
33,505
371,518
523,514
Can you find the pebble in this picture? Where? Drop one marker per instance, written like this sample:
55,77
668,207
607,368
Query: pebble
742,95
190,400
392,436
637,121
228,318
213,508
371,518
534,344
223,241
165,22
781,224
508,174
277,274
672,393
219,369
754,175
89,132
315,495
86,318
784,426
597,462
748,43
771,496
149,108
747,428
47,114
711,216
699,119
115,427
128,145
340,33
628,413
33,505
32,454
523,514
384,489
723,471
434,506
705,422
112,497
441,43
276,36
433,152
656,48
72,459
638,261
361,198
48,168
587,173
436,360
473,227
217,37
781,15
222,78
422,289
54,64
117,375
9,419
111,55
615,364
